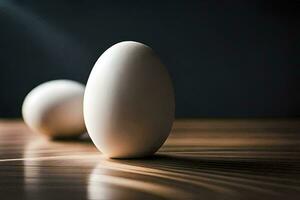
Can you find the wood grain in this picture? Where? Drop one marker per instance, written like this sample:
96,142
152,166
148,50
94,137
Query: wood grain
202,159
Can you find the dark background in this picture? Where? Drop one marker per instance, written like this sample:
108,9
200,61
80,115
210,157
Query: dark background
233,59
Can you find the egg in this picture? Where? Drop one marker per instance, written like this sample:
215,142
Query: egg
129,101
55,109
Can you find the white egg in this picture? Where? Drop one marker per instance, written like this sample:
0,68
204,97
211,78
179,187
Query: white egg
55,108
129,101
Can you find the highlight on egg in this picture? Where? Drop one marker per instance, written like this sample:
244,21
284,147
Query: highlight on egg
129,101
55,109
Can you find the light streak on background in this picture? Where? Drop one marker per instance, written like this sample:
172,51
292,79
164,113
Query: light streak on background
58,45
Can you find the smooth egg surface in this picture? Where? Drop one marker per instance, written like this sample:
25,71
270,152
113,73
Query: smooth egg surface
129,101
55,109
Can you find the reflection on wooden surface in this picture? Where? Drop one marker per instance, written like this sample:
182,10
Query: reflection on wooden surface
202,159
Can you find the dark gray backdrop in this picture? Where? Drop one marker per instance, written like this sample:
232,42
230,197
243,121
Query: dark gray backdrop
233,59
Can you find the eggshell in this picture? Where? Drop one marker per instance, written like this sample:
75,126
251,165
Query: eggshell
129,101
55,108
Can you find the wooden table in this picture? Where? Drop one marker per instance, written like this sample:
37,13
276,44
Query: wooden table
202,159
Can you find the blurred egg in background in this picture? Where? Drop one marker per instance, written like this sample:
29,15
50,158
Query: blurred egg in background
54,109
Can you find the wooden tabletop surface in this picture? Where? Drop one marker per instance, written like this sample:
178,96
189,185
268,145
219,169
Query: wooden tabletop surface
202,159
